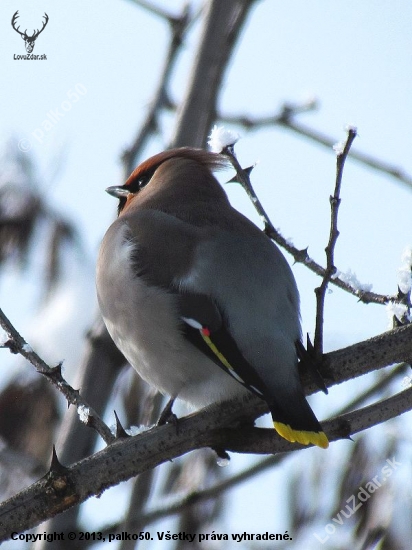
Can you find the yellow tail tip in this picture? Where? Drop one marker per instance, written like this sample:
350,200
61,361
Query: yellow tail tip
299,436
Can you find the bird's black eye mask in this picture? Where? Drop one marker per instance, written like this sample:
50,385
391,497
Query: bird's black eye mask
137,184
122,192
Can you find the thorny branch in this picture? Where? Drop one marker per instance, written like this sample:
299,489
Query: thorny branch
300,256
146,518
214,427
17,344
330,270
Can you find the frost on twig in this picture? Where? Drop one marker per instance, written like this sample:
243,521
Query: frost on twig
405,271
84,414
220,138
350,278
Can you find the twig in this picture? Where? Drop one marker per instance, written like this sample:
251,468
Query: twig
17,344
330,270
242,177
286,117
300,256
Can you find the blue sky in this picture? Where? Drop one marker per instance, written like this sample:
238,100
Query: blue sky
355,57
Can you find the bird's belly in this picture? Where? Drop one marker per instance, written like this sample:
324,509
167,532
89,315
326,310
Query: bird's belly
165,360
144,323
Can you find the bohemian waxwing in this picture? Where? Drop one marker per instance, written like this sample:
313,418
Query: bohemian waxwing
201,303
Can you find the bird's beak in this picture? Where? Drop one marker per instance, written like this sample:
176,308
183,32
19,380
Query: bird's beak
118,191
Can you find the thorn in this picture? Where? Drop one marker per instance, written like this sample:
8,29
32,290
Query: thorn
308,361
11,345
120,431
55,372
56,467
247,171
310,347
167,415
302,255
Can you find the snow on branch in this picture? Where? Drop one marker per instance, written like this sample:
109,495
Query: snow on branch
220,138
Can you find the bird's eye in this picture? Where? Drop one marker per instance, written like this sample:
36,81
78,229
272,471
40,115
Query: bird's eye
143,181
137,182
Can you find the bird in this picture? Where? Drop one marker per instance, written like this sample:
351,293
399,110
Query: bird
198,299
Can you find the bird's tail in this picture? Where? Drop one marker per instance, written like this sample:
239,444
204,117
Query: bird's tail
295,421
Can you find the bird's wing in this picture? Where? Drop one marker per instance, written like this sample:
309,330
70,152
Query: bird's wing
205,327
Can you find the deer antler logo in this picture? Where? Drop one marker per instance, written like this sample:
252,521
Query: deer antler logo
29,40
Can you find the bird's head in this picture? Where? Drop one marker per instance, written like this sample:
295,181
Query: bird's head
176,174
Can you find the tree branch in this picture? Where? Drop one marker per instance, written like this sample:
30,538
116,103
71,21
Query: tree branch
62,488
